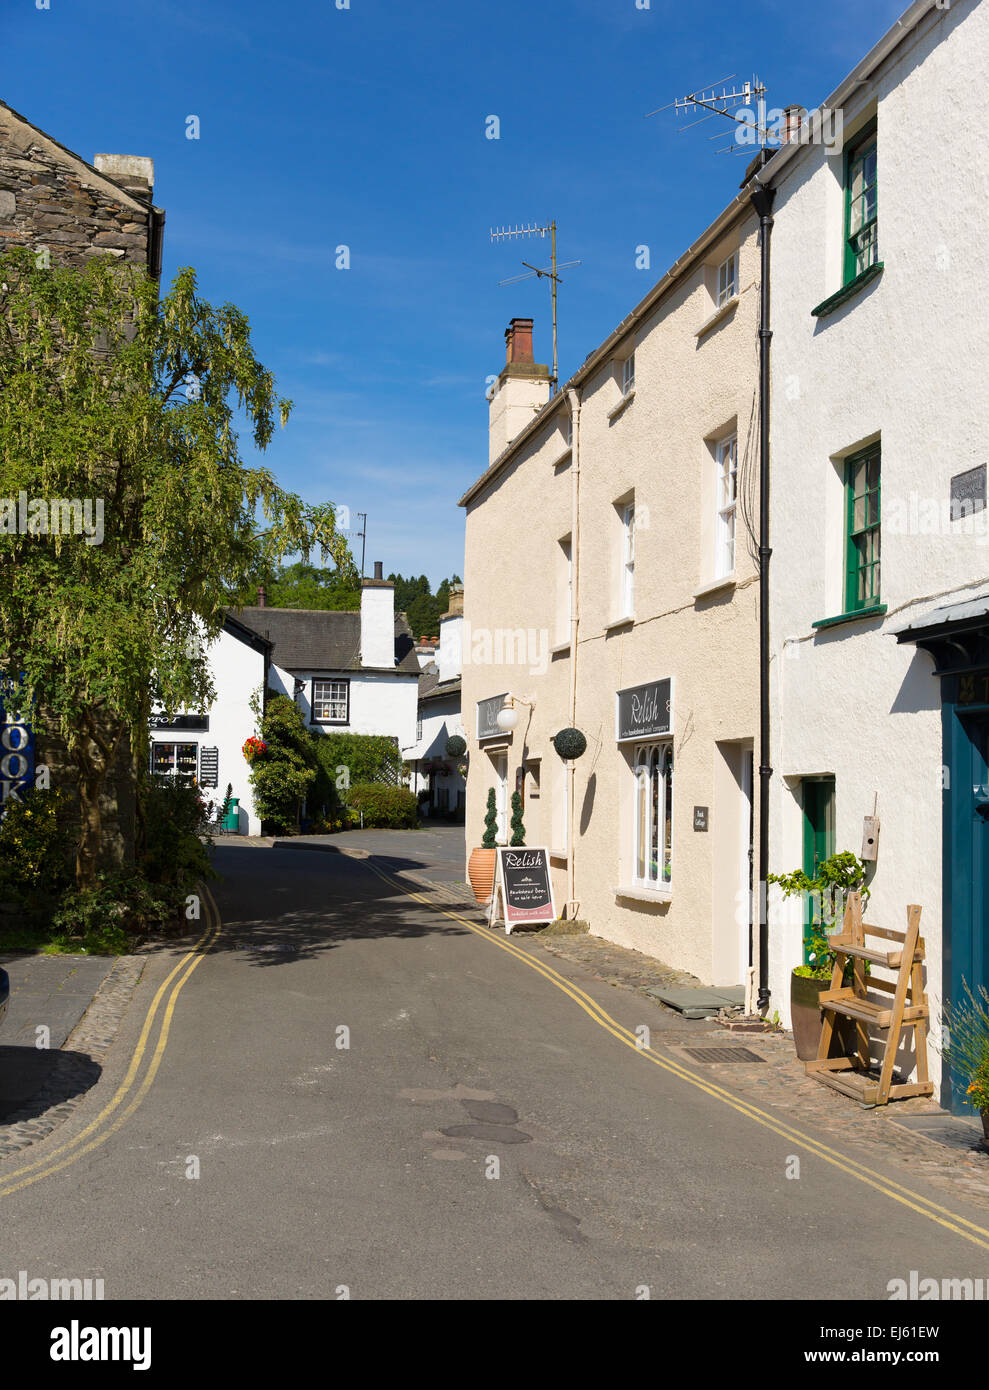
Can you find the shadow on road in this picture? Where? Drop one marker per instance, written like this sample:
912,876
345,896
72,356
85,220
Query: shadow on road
280,905
34,1081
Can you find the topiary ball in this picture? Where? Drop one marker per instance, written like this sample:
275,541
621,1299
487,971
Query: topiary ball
570,743
455,746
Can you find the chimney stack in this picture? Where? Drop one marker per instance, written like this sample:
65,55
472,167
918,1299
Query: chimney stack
261,596
377,621
794,120
521,390
451,641
135,172
518,341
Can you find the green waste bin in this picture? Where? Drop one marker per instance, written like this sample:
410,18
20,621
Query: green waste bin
231,821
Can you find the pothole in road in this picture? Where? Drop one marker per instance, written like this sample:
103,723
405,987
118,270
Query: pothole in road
490,1112
497,1134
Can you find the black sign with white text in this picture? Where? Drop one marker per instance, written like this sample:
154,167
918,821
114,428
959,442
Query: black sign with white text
644,711
526,883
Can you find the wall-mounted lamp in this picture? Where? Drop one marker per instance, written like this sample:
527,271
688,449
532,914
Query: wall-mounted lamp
508,716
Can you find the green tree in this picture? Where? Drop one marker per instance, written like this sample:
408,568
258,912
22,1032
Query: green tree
284,774
490,838
518,827
110,394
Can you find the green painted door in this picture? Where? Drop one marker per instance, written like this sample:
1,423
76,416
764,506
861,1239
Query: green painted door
818,796
970,954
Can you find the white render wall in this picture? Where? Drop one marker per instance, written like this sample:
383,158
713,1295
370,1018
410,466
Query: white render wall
380,703
904,360
238,671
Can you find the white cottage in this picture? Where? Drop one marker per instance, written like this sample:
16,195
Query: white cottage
880,578
434,772
208,746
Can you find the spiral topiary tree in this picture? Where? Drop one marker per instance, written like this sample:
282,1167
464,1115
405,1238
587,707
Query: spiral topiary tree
518,829
490,840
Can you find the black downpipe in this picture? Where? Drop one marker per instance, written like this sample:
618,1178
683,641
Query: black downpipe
762,202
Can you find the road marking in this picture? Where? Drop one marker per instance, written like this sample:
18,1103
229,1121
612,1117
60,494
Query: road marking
943,1216
75,1147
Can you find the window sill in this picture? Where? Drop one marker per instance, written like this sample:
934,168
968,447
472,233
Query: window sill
645,895
876,610
717,317
627,399
560,649
563,458
617,624
849,291
715,586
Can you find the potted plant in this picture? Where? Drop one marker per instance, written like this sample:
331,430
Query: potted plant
966,1048
836,877
481,865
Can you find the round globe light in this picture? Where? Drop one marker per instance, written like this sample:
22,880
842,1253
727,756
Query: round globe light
506,719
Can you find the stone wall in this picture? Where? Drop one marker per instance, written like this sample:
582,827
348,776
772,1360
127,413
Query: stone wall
49,197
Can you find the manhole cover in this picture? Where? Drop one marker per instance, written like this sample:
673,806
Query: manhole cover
722,1054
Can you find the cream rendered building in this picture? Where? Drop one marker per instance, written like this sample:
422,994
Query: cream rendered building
611,585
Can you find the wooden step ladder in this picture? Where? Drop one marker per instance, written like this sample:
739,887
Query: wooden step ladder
907,1009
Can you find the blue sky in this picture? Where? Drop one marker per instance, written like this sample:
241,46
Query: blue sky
365,127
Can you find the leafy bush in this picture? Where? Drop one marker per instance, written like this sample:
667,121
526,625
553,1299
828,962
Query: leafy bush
836,877
176,821
966,1047
284,776
383,807
363,758
103,920
37,845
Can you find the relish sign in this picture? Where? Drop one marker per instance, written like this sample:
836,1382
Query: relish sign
644,711
525,884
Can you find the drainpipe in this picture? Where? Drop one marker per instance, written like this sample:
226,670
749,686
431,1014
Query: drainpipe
574,622
762,201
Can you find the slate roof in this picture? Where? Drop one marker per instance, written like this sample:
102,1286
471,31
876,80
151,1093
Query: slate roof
317,639
432,688
961,615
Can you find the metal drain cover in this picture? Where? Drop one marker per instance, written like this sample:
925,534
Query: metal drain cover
722,1054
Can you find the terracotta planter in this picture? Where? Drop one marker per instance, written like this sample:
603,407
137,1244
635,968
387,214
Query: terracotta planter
481,872
808,1020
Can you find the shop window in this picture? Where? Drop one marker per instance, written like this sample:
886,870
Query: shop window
653,856
175,759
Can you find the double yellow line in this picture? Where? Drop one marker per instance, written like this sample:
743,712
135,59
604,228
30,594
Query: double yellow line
131,1090
950,1220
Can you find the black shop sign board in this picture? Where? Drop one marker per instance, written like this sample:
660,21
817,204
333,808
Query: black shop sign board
644,711
526,886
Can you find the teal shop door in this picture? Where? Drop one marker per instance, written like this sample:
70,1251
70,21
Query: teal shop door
966,865
970,956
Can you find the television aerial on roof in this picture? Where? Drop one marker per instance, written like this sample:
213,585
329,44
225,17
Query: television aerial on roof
744,106
550,273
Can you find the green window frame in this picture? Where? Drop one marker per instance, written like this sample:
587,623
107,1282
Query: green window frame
863,531
861,204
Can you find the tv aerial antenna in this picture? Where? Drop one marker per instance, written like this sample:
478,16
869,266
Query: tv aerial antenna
727,103
540,272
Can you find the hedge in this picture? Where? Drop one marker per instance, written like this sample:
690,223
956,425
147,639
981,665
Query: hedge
384,807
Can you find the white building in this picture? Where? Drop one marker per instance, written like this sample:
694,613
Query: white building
880,417
208,746
439,719
348,672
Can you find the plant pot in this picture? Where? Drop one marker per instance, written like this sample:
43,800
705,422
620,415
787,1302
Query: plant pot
481,872
808,1019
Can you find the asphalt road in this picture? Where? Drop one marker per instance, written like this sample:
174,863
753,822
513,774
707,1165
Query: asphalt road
481,1136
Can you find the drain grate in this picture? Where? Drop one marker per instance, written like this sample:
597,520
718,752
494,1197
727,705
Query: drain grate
722,1054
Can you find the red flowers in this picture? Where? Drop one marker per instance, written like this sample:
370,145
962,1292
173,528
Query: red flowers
254,748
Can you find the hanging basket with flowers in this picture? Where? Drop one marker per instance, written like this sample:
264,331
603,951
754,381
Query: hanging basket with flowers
254,749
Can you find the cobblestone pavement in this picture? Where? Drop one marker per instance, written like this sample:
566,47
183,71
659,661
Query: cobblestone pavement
77,1066
779,1079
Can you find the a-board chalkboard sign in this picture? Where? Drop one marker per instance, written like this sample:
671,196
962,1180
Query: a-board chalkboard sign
526,886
